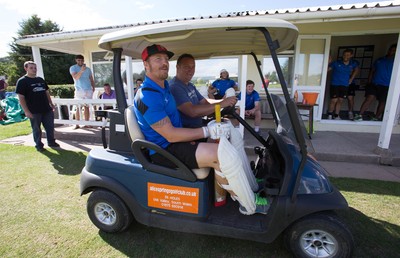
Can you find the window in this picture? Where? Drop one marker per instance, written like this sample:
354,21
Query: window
268,68
310,62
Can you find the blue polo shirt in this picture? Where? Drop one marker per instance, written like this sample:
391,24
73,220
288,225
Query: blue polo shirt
186,93
151,104
223,85
341,72
250,99
383,71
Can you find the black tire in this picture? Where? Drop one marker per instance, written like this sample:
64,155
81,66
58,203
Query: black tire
108,212
319,235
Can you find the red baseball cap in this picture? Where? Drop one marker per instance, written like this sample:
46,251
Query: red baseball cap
155,49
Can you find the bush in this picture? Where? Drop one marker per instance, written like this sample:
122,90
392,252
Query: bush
62,91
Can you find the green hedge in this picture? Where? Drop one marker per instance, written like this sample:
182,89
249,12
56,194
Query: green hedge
62,91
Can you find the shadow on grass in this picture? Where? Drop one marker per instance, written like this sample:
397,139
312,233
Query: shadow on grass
143,241
66,162
373,238
367,186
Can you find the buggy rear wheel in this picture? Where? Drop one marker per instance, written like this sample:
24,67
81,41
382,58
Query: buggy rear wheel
108,212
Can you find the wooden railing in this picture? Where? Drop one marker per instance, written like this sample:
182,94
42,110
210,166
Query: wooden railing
65,110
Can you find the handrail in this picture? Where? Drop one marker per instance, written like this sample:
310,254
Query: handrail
65,110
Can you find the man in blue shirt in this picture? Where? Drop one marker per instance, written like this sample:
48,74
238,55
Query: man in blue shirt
84,84
380,78
343,73
160,123
218,88
191,104
252,104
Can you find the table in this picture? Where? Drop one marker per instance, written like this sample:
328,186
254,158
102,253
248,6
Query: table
310,115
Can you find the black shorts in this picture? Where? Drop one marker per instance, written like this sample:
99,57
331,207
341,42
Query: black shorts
371,89
382,93
338,91
184,151
351,91
379,91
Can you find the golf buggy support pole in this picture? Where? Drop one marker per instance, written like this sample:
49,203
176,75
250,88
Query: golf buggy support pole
291,107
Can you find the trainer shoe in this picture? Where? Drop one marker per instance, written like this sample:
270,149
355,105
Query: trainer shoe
329,116
262,206
358,117
337,117
374,119
351,115
54,145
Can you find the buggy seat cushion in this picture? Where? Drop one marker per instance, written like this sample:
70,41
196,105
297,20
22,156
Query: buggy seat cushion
135,133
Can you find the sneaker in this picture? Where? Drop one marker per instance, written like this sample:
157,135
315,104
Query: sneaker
54,145
262,206
358,117
374,119
329,116
351,115
260,183
41,149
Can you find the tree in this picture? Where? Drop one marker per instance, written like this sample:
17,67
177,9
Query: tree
8,69
55,65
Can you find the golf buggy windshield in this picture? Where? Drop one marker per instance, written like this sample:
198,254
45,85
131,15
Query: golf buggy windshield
285,127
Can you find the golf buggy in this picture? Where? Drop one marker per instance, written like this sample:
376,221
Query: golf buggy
125,184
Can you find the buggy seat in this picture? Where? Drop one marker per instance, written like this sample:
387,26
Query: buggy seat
141,147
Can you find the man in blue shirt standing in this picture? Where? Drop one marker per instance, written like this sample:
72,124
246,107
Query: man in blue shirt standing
84,84
343,73
380,77
191,104
252,104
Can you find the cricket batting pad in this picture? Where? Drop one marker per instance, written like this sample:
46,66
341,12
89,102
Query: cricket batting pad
237,142
232,168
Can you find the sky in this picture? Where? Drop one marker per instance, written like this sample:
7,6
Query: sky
87,14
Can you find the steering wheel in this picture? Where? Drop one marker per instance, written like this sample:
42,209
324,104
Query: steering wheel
228,110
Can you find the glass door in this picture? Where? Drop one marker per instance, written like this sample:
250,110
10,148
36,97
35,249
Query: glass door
312,56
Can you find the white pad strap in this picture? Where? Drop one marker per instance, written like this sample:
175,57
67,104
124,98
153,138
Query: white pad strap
219,173
232,168
237,142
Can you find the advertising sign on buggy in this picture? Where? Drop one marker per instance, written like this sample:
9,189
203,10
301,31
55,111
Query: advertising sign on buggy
172,197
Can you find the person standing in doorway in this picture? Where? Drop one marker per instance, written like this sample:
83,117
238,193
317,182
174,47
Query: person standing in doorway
351,93
379,81
34,97
343,73
84,85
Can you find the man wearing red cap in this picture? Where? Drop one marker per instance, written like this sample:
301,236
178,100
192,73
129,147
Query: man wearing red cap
160,123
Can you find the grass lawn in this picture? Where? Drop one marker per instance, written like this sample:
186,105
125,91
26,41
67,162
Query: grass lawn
43,215
16,129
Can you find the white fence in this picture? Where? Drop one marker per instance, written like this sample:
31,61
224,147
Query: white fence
66,109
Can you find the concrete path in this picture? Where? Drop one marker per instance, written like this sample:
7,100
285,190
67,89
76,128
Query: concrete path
341,154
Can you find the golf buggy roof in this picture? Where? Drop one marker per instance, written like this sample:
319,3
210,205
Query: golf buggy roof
204,38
